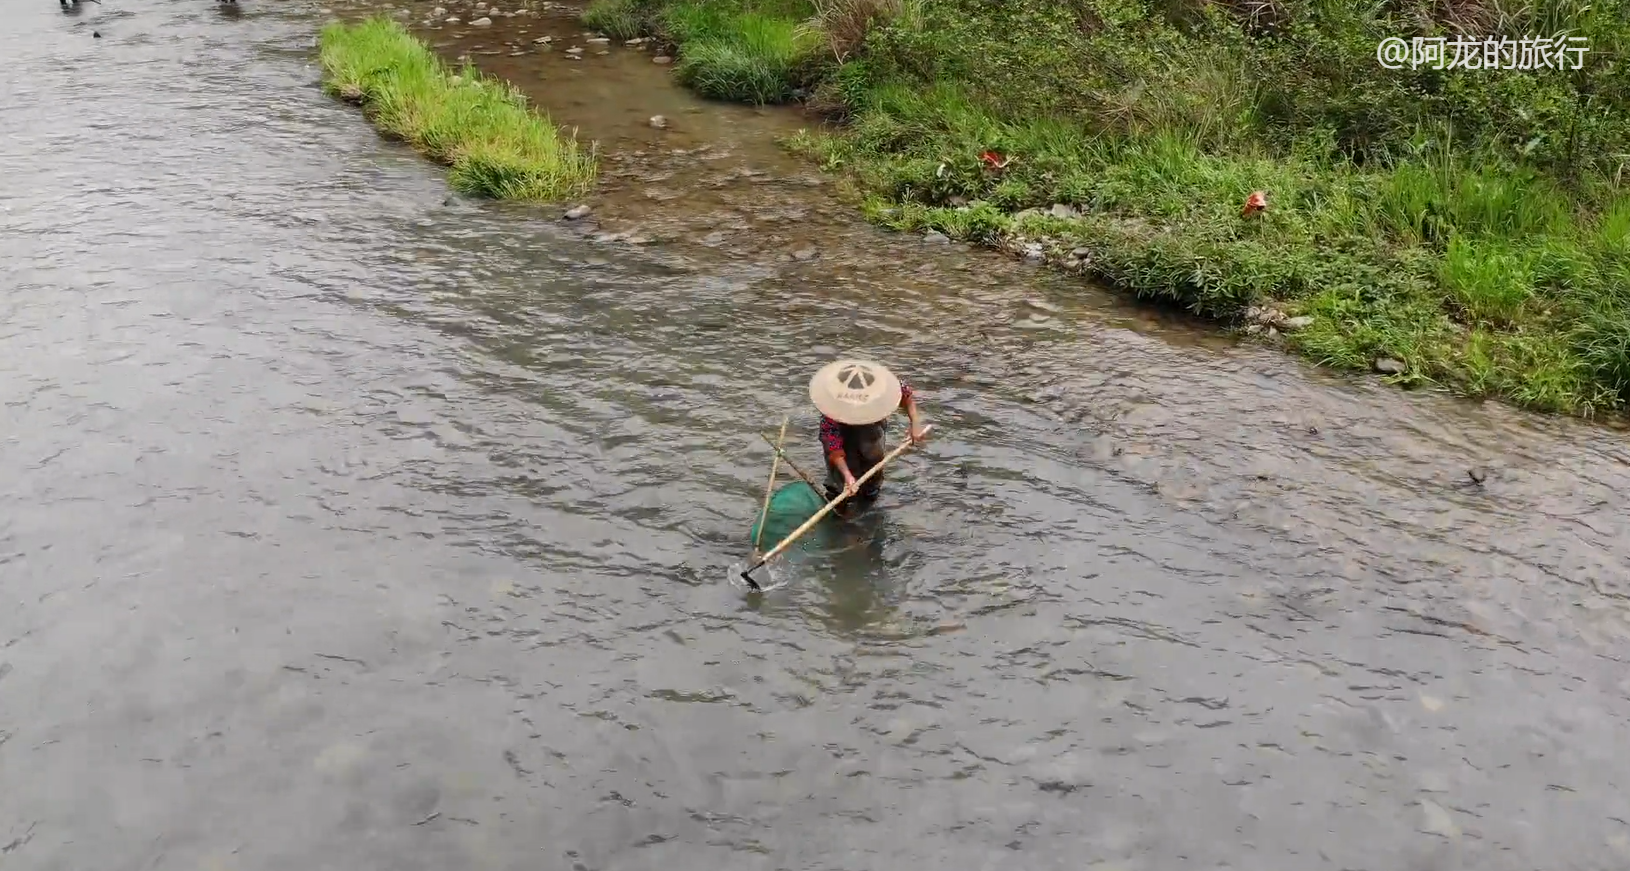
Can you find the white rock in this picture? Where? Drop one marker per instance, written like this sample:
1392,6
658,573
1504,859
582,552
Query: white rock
453,20
439,12
577,212
659,122
481,22
1297,323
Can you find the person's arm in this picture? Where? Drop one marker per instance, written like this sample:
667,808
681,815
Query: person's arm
908,401
832,443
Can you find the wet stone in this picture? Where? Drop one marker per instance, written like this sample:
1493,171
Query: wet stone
935,237
577,213
662,59
1389,366
543,40
1297,323
805,253
659,122
481,22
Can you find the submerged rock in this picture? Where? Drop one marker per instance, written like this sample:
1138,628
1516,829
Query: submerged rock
659,122
662,59
481,22
577,213
1389,366
543,40
805,253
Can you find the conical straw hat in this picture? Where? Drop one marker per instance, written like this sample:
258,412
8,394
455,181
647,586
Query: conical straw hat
856,392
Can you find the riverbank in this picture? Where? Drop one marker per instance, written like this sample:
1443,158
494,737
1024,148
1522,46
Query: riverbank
484,130
1462,228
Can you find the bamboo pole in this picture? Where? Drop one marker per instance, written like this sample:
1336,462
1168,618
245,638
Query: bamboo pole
808,524
790,464
769,489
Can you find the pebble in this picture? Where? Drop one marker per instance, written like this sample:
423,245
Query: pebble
659,122
935,237
804,254
602,52
453,20
543,40
1081,253
481,22
634,42
662,59
577,213
439,12
1389,366
576,49
598,40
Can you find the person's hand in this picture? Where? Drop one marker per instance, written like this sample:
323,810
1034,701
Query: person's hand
850,486
919,433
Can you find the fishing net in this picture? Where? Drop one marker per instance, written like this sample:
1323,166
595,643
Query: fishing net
791,505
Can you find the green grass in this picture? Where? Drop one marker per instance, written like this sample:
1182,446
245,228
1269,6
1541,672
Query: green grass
494,143
743,52
618,19
1473,225
1495,282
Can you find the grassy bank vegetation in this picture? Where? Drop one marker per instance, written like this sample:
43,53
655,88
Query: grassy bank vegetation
496,145
1470,224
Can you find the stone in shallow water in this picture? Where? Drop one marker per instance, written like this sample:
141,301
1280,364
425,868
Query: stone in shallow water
577,213
662,59
481,22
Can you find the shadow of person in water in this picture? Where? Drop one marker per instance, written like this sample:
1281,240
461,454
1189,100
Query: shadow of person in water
855,572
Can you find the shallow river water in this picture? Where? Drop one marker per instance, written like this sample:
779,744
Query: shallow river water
347,525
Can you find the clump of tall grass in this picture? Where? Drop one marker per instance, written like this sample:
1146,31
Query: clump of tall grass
739,55
483,129
618,19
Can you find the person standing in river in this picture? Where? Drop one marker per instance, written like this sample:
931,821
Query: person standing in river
856,399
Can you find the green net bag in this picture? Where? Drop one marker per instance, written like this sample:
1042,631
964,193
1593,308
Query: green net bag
791,505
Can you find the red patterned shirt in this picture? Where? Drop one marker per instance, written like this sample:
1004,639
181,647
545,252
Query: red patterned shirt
832,432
